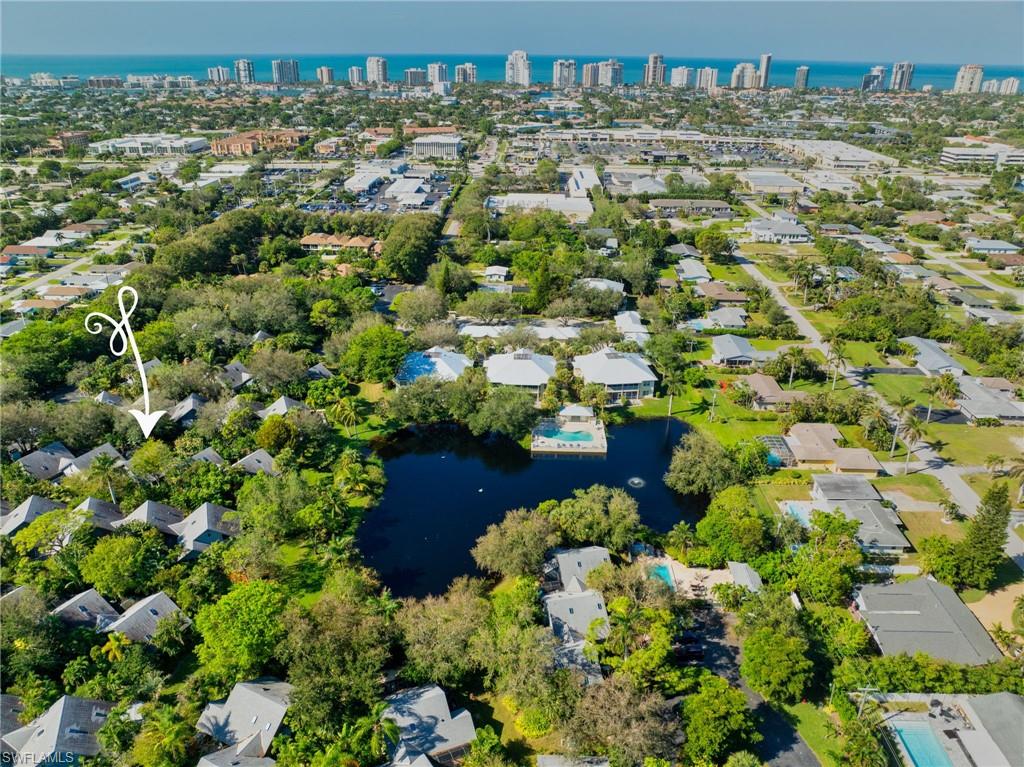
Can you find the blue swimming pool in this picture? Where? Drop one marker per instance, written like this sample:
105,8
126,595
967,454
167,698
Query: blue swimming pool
922,745
566,436
801,510
662,572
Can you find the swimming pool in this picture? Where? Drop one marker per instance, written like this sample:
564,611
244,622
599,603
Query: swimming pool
801,510
566,436
921,744
662,572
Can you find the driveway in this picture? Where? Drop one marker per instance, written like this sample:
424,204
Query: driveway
782,745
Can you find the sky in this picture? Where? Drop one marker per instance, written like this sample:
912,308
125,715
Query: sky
943,31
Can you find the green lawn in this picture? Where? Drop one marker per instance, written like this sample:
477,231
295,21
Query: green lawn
1006,574
303,572
854,436
925,524
970,445
923,487
892,387
863,354
726,272
814,727
766,497
731,423
980,483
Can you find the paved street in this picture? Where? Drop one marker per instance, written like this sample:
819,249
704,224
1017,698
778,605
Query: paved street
45,279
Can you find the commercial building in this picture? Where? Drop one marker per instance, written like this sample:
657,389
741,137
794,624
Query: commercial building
563,73
744,76
771,182
591,75
576,209
582,181
356,76
874,81
376,69
518,69
414,76
218,74
707,79
251,142
325,75
682,77
285,71
149,145
610,73
440,147
245,72
437,72
764,70
902,76
801,77
838,155
465,73
654,70
968,79
104,82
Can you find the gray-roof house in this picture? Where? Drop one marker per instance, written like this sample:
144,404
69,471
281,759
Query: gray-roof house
88,609
632,327
744,575
427,726
571,612
186,412
318,372
71,466
236,375
727,318
977,400
158,515
833,488
693,271
101,514
625,376
600,283
25,513
208,455
249,718
926,616
522,368
45,463
281,406
257,461
139,622
578,563
10,709
205,526
229,757
880,526
64,734
930,357
1000,715
736,351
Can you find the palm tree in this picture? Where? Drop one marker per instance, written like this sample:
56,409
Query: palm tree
904,405
875,420
947,387
115,646
104,469
374,731
913,430
168,734
681,537
950,510
344,412
673,382
1016,470
335,755
931,388
837,358
794,355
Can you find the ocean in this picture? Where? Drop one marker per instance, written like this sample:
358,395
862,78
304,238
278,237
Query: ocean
823,74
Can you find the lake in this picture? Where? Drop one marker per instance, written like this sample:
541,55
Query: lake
446,486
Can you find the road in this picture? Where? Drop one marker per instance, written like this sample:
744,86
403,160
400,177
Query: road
782,745
936,254
46,279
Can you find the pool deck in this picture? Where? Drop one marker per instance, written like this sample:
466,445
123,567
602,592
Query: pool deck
948,717
541,445
692,582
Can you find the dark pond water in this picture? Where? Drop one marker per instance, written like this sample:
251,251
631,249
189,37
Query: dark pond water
445,486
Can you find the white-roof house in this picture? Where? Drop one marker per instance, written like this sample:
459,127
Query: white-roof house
427,726
250,717
624,375
930,357
523,368
735,351
436,362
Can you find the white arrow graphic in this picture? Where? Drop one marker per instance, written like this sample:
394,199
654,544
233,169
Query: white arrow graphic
121,340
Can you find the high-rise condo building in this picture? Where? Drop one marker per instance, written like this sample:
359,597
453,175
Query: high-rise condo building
743,76
415,76
244,71
1009,86
707,79
437,72
465,73
591,75
654,70
902,76
800,79
218,75
376,69
610,73
356,76
968,79
874,81
518,69
563,73
990,86
325,75
764,71
285,70
682,77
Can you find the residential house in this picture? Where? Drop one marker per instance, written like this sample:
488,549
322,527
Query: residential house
103,515
683,208
186,412
571,612
71,466
428,727
87,609
139,622
978,400
281,406
930,357
257,461
924,616
693,271
720,294
776,231
236,375
632,327
45,463
683,251
25,513
726,318
496,273
522,368
64,734
436,362
983,247
814,446
205,526
880,530
736,351
827,489
599,283
208,455
108,398
249,718
744,575
155,514
318,372
566,564
626,376
768,395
